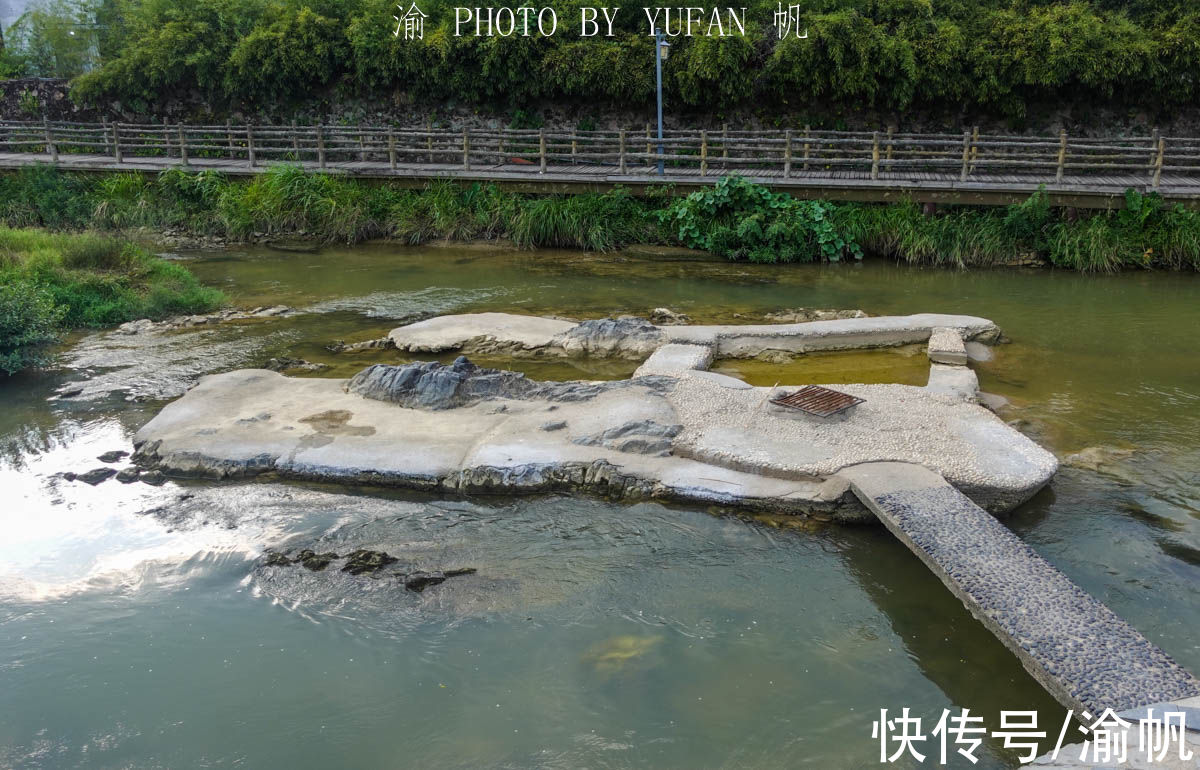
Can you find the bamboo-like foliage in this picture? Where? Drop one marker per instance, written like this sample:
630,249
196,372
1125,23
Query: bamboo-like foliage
993,55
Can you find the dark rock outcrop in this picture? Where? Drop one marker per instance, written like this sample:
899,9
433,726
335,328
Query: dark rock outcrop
115,456
643,437
96,475
462,383
366,561
608,336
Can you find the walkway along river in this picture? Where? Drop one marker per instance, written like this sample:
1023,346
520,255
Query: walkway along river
1083,172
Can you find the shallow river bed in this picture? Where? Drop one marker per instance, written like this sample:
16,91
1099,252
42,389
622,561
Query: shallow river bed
139,626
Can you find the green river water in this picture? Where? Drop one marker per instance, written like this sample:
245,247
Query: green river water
138,630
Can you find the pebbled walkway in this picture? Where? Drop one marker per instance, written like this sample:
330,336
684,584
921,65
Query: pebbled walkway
1077,648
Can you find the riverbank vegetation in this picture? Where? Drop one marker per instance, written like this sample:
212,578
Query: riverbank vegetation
994,56
51,282
734,218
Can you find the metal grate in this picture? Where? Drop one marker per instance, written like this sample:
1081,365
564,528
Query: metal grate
818,401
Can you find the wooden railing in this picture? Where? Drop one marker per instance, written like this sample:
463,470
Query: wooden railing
786,153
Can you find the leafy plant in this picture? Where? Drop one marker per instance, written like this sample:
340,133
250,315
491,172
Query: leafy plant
741,220
28,325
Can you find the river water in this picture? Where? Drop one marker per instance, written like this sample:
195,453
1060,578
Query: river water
138,627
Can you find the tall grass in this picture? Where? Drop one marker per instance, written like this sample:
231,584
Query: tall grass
1146,233
53,281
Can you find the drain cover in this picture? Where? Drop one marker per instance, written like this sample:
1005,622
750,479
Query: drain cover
818,401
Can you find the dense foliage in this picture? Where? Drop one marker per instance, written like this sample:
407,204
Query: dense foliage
735,219
54,281
740,220
993,55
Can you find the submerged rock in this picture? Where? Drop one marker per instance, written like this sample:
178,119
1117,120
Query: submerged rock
364,560
276,559
615,654
339,346
419,581
806,314
314,561
663,316
1094,457
286,364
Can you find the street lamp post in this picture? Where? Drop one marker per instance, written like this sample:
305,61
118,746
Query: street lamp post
661,49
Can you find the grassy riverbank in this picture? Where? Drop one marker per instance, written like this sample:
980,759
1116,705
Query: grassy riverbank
734,219
51,282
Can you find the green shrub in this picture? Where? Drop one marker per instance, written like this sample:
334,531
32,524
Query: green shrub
741,220
29,324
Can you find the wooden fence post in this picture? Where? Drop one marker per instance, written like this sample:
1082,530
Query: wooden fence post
724,144
296,140
107,147
116,129
703,152
966,156
1158,161
621,150
542,150
1153,150
574,149
166,132
183,152
875,155
51,147
806,148
649,147
250,145
321,145
890,131
362,147
466,150
1062,155
787,153
500,146
974,146
392,147
229,136
429,137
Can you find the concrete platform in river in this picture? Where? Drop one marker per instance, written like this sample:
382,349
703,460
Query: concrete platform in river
673,432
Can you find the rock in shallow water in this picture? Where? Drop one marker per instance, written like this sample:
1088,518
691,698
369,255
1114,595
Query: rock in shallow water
129,475
96,475
364,561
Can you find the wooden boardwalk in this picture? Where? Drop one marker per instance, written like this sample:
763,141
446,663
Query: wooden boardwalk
860,166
